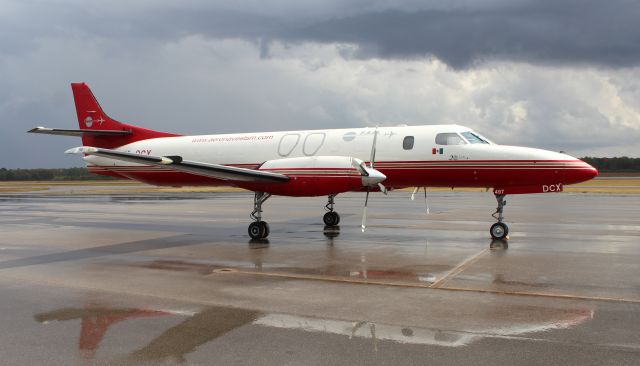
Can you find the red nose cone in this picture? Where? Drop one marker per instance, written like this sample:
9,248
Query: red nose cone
586,173
579,171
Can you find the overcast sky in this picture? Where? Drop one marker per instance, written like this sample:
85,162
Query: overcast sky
559,75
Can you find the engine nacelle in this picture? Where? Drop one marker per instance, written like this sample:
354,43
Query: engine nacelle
315,176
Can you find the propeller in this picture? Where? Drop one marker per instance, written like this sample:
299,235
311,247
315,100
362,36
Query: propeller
372,178
413,196
364,211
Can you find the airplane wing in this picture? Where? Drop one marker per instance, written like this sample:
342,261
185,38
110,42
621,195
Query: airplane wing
176,163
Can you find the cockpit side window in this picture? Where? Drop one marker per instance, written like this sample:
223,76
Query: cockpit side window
449,138
473,138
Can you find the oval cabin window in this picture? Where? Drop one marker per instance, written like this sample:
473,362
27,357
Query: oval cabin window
407,143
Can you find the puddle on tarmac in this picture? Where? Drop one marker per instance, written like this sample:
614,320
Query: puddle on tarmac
408,274
180,266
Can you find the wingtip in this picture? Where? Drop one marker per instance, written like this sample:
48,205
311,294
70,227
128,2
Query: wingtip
81,150
37,129
75,150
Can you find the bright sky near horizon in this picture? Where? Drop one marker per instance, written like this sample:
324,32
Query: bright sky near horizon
559,75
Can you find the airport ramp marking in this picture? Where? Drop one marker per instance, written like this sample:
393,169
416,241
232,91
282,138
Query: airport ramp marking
458,269
326,278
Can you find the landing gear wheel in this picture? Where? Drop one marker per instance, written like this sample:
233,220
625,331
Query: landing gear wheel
265,229
499,231
256,230
331,218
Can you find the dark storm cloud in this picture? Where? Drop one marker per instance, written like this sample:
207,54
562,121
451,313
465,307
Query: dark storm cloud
459,33
600,32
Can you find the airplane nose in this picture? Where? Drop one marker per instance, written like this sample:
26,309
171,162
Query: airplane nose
580,172
591,172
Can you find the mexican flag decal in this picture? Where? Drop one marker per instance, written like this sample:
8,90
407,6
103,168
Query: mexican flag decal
436,150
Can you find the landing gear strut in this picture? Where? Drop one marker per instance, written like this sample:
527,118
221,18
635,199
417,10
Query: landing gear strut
499,230
258,229
331,218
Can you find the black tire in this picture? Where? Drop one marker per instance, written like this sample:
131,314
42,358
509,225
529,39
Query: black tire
328,219
499,231
331,218
265,229
255,230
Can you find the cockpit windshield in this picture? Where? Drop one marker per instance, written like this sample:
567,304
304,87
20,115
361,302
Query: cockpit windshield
474,138
449,138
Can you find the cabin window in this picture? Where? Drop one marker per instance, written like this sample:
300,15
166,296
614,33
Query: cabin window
407,143
473,138
449,138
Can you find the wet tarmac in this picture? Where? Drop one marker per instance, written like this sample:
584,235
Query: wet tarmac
174,279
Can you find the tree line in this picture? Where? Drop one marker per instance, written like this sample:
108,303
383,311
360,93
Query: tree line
59,174
615,165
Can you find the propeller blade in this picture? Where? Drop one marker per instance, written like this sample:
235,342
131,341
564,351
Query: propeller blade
364,211
373,148
383,189
425,200
413,195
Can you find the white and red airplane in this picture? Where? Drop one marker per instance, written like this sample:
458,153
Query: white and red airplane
318,162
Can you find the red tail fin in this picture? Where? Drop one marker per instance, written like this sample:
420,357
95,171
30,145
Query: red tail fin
92,117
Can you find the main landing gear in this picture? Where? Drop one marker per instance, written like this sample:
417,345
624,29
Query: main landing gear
258,229
499,230
331,218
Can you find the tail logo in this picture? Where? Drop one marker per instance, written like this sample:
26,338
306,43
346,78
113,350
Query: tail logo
89,121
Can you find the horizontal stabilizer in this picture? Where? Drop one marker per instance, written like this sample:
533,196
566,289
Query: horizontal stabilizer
176,163
78,133
120,155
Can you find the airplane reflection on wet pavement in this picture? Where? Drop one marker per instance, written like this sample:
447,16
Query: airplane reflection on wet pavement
198,328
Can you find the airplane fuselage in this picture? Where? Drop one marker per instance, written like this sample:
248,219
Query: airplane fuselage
409,156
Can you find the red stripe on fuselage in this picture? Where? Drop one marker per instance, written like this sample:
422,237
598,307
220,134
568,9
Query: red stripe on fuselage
448,173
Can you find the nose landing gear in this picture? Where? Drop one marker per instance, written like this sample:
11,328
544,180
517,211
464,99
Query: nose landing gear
258,229
331,218
499,230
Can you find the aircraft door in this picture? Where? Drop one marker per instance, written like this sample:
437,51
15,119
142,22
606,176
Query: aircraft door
288,142
312,143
